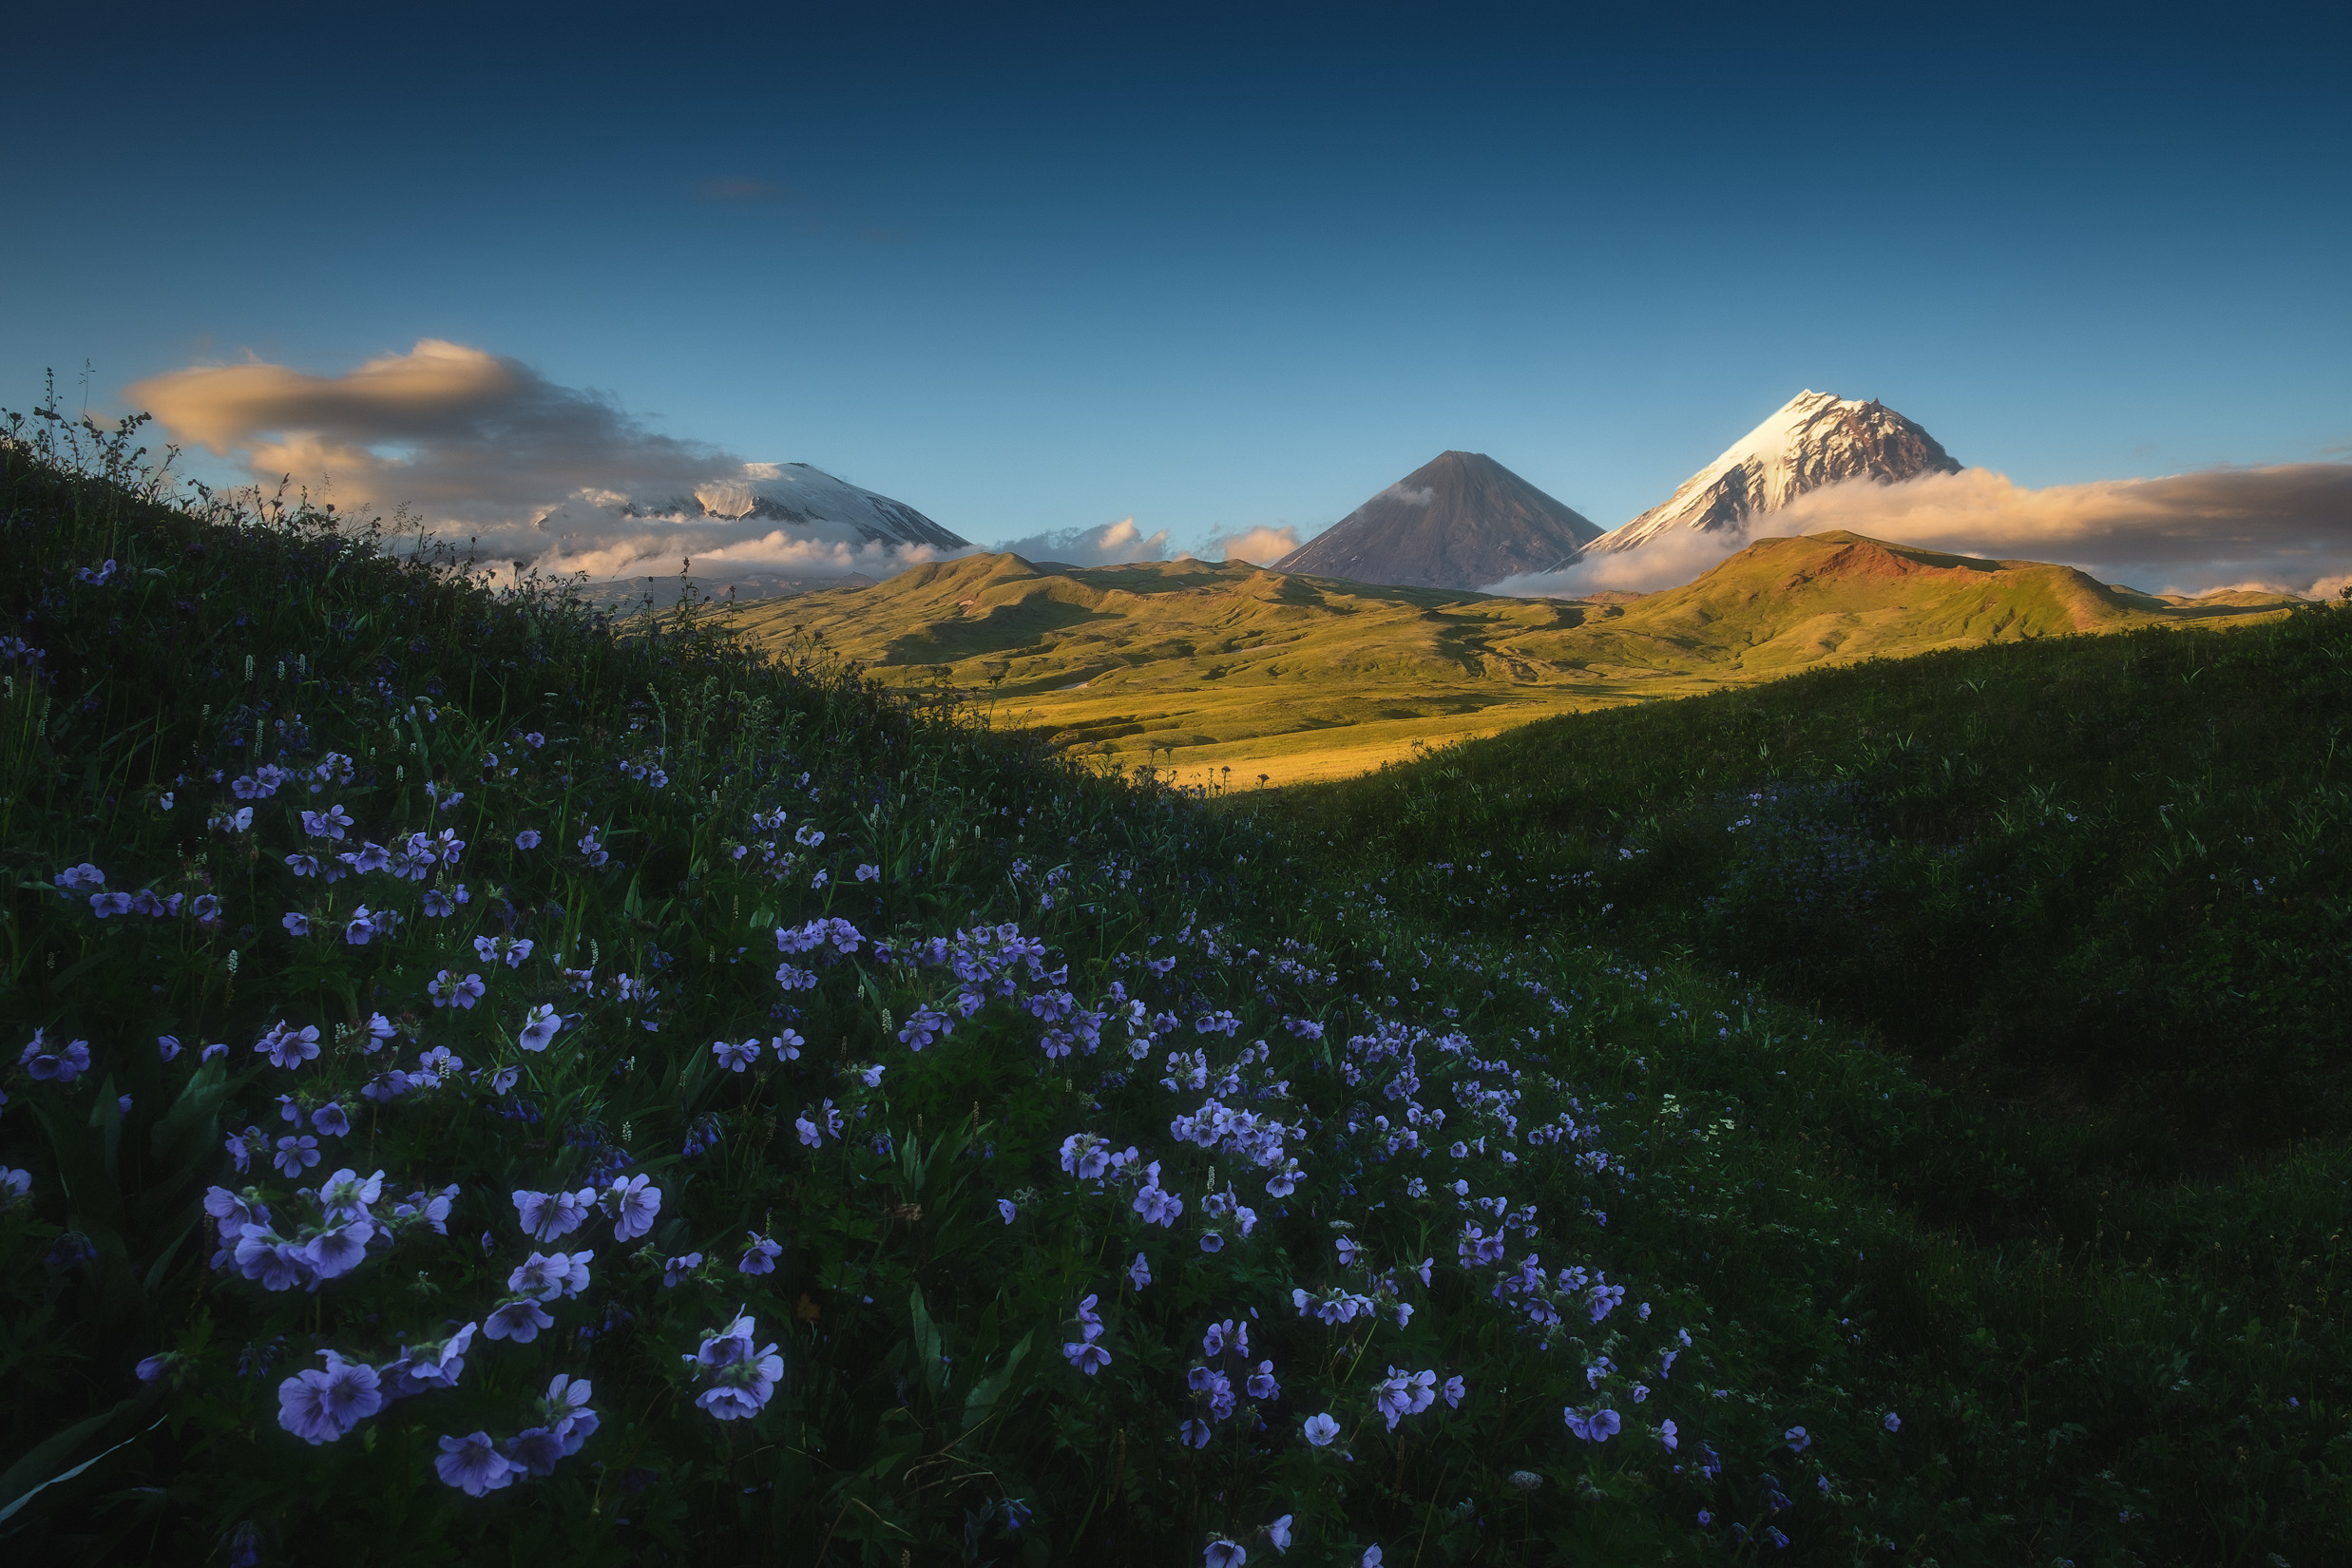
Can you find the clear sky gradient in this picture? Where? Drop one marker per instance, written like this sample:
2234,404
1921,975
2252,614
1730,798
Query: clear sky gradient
1220,268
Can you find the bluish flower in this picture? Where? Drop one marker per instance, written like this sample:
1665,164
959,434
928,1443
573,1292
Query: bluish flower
1193,1433
167,1046
549,1215
1088,1358
567,1406
787,1045
449,989
1278,1534
474,1465
1893,1422
335,1251
1667,1432
632,1205
1262,1383
1321,1430
759,1257
679,1268
1004,1207
103,905
331,1120
1221,1554
1798,1440
320,1406
736,1057
71,1250
40,1064
14,1185
1371,1559
296,924
739,1380
1139,1272
84,876
297,1154
1597,1427
550,1277
527,839
288,1047
517,1320
539,1026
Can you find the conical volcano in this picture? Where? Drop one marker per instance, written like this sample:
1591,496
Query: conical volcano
1461,521
1812,440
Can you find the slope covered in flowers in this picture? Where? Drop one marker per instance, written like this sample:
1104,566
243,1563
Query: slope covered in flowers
484,1083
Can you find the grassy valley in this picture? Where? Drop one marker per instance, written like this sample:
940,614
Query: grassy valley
1222,673
488,1081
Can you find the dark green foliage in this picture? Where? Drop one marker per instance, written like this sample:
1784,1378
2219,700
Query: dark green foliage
2089,871
2108,1378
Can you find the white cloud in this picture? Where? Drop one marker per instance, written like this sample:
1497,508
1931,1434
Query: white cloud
1260,547
2285,527
480,446
1113,543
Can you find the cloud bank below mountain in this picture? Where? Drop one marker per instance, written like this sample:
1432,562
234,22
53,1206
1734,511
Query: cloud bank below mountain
2286,527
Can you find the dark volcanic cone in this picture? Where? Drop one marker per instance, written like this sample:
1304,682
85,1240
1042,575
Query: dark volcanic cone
1461,522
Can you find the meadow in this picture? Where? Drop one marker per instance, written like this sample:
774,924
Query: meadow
490,1081
1230,675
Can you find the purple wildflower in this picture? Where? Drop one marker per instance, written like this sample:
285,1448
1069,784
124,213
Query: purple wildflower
539,1026
517,1320
759,1257
474,1465
632,1204
288,1047
320,1406
549,1215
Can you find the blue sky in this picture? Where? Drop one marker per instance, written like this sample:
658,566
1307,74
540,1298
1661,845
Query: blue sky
1218,269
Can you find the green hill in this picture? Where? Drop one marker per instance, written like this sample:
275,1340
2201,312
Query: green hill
1202,667
485,1083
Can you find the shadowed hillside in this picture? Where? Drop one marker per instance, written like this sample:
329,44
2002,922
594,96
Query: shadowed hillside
1205,666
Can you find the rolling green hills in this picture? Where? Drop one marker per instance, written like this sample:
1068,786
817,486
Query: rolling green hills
1551,1242
1233,671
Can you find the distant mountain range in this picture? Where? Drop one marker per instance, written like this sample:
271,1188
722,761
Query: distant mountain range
1456,522
1464,521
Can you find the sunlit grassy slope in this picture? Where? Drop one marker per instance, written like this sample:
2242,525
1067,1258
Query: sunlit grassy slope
1204,667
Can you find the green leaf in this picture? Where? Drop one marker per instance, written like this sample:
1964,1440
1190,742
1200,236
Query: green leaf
18,1485
927,1346
982,1400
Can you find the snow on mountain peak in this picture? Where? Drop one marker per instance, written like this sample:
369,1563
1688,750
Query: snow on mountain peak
1812,440
796,494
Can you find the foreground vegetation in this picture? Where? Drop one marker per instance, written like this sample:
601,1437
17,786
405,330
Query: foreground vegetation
485,1084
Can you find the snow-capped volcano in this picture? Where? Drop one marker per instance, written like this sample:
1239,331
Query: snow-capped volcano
1815,439
804,497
